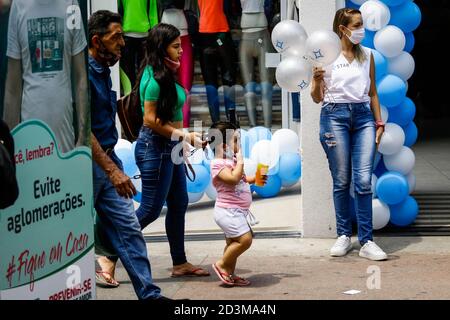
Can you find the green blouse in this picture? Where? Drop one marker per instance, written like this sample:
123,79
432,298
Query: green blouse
149,91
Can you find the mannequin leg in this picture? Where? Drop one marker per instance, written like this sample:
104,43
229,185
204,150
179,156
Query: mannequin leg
266,75
209,65
246,59
226,55
185,76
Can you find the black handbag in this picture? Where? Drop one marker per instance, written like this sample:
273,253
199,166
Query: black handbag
9,190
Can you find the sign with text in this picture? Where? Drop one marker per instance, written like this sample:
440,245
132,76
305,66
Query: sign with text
46,237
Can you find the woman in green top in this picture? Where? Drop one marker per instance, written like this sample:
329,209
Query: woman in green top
163,174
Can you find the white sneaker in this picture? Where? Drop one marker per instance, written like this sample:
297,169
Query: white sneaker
373,252
342,246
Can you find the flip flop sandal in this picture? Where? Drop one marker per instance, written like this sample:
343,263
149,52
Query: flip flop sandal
106,281
224,277
191,273
238,281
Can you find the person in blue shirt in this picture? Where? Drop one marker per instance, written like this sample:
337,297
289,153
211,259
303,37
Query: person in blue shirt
117,223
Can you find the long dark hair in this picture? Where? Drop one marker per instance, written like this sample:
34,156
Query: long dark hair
344,17
158,39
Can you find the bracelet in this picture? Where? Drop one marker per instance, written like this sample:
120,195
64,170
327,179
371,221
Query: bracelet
379,123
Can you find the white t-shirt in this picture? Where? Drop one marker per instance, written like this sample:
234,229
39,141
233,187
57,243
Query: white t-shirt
348,82
39,36
252,6
176,18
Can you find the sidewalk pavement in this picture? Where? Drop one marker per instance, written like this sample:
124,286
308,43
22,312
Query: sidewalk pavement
297,269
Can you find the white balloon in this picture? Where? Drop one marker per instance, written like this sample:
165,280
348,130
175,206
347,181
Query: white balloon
195,197
375,15
389,41
211,192
293,74
402,65
265,152
411,178
392,139
197,157
287,141
360,2
123,144
384,114
380,214
323,47
289,36
402,161
250,167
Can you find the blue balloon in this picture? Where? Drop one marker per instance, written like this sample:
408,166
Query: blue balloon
138,197
404,213
245,143
410,42
256,134
392,3
271,189
392,188
381,65
350,4
391,90
128,161
201,181
411,134
380,169
368,39
290,167
406,16
403,114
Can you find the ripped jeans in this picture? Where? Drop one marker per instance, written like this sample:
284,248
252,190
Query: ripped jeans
347,134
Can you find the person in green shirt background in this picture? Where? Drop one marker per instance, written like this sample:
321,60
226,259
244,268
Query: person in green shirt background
138,17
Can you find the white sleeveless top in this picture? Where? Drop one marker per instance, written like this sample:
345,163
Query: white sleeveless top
176,18
348,82
252,6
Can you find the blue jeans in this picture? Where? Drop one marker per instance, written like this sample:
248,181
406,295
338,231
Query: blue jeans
347,134
117,220
162,181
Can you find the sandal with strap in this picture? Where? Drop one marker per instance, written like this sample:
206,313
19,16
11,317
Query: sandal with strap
223,276
196,272
108,281
238,281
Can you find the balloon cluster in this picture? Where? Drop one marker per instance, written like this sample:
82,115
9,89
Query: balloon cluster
125,152
279,151
389,25
300,52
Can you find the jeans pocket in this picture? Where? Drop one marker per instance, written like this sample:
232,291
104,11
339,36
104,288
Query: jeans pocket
328,107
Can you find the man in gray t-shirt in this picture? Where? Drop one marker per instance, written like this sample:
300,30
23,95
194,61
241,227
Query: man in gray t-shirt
47,68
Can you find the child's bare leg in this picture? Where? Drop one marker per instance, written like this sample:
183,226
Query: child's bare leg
237,247
229,241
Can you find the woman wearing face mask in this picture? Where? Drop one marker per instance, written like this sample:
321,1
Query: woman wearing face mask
164,181
350,130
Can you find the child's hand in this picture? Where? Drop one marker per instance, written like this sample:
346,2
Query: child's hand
239,157
250,179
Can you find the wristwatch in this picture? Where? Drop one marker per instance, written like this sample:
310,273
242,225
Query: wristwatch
379,123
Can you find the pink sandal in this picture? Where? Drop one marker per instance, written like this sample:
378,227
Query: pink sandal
223,276
238,281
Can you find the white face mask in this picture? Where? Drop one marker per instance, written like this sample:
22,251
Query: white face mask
356,36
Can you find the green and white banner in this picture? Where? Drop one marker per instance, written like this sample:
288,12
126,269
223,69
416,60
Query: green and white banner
46,237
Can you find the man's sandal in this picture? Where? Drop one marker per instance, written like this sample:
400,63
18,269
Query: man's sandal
107,281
